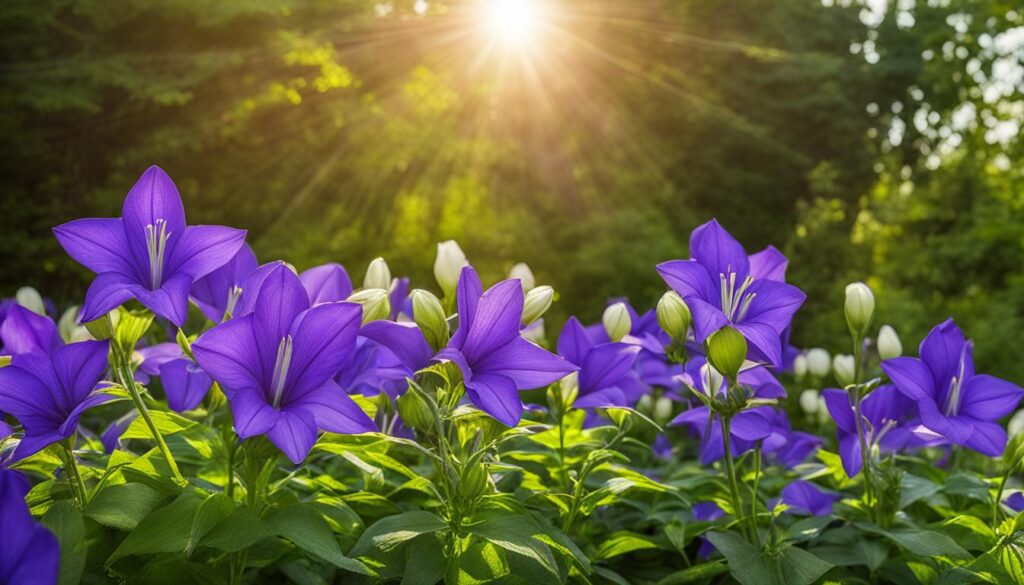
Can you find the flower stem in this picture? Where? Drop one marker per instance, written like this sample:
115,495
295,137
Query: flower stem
730,469
128,382
753,503
865,450
74,475
996,503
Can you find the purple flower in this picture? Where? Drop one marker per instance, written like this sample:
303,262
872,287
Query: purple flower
885,414
606,375
326,283
111,436
1015,501
787,447
276,366
30,554
805,498
148,253
49,393
706,512
953,401
723,286
496,362
24,331
401,302
218,293
185,383
397,351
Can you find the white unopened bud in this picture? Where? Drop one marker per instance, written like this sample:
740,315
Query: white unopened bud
819,362
842,367
800,366
889,345
448,266
69,329
663,408
860,307
378,275
430,317
375,302
524,274
30,298
809,401
538,300
617,322
1016,424
673,315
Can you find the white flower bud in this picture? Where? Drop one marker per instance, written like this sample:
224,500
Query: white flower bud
537,302
378,275
663,408
809,401
30,298
430,317
375,302
617,322
842,367
524,274
1016,424
535,332
889,345
673,315
69,329
819,362
800,366
448,266
860,307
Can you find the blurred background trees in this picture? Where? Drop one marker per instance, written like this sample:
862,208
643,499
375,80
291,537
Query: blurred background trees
870,141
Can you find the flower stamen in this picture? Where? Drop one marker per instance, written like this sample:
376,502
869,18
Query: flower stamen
281,365
156,247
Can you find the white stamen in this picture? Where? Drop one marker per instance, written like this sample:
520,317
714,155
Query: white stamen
956,385
156,246
281,364
735,302
234,293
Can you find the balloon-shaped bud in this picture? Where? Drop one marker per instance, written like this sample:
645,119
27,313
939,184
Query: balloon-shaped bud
860,308
415,411
819,362
809,401
842,367
448,266
1016,424
69,329
617,322
524,274
538,301
673,315
429,316
378,275
889,345
30,298
727,350
375,302
800,366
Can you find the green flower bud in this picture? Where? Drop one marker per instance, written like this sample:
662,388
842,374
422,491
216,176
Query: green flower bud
131,326
524,274
860,307
429,316
475,481
537,302
842,367
819,362
889,345
617,322
448,266
727,350
375,302
103,328
673,315
378,275
30,298
415,411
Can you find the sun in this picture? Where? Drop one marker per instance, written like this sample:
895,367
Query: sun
514,23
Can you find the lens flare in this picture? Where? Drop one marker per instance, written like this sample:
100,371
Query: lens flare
513,22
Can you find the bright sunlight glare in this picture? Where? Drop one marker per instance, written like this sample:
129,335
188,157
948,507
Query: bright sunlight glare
514,22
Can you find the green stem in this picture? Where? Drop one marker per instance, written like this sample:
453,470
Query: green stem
128,382
563,471
74,475
730,470
232,450
865,450
753,504
997,511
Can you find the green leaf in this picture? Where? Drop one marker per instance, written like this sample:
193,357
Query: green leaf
516,534
306,529
166,529
211,512
701,572
65,522
479,562
168,423
926,543
241,529
750,566
800,567
424,562
915,488
622,543
123,506
389,533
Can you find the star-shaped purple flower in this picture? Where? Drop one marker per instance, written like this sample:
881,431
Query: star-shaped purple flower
48,393
606,376
30,554
953,401
148,253
219,293
276,366
496,362
723,286
185,384
886,415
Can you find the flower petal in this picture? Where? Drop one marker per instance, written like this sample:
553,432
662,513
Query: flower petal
280,300
24,331
989,398
467,295
210,293
769,264
229,354
185,384
718,251
911,376
838,404
79,366
941,351
153,198
496,322
496,395
323,338
606,364
253,414
774,305
707,318
957,429
201,249
850,454
170,301
99,244
334,411
988,438
405,340
326,283
107,291
763,342
525,363
690,278
22,394
574,342
751,425
294,433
